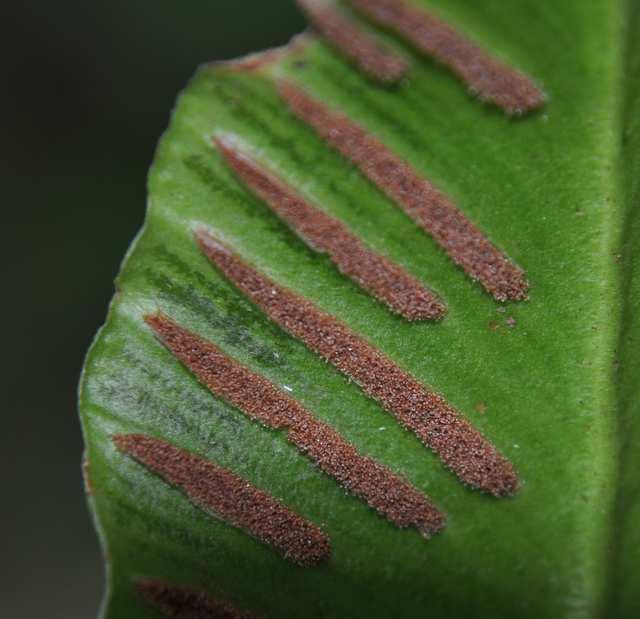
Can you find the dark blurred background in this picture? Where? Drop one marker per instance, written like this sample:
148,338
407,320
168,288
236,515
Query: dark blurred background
88,89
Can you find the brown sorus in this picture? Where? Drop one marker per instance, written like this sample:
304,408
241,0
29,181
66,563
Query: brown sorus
437,424
384,279
485,75
367,53
186,603
260,61
86,473
429,208
230,497
262,401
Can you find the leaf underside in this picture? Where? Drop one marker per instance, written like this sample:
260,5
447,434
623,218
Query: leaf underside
551,381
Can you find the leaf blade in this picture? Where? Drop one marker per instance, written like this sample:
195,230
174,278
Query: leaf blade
553,205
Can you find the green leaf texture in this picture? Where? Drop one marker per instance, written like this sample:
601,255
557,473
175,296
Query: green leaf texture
556,376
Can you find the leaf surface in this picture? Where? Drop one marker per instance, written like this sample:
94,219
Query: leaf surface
553,381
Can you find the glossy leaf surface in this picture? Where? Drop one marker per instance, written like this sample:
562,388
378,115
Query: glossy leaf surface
552,381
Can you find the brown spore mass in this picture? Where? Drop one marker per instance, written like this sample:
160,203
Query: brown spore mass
86,473
430,209
437,424
367,53
384,279
230,497
185,603
260,61
262,401
485,75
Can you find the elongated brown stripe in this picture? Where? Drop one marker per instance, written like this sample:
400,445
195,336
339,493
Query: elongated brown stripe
429,208
185,603
438,425
384,279
230,497
485,75
369,54
259,399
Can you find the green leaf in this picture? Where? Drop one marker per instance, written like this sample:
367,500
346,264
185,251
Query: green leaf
556,376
